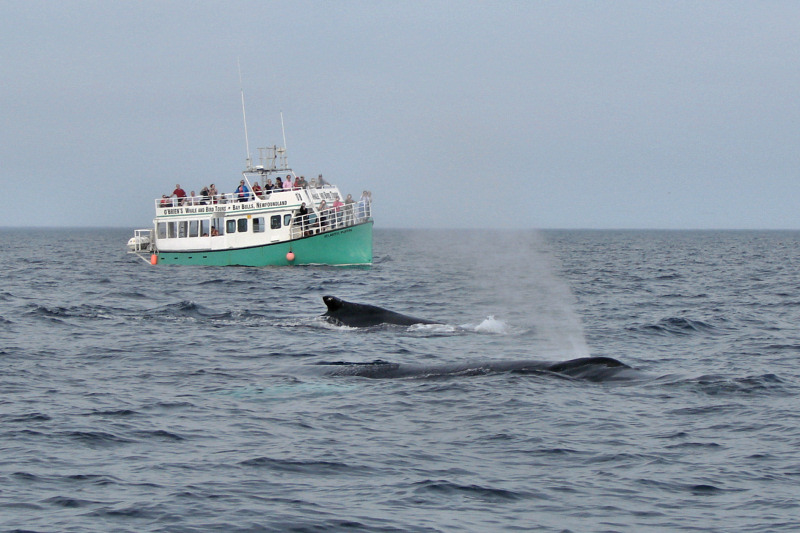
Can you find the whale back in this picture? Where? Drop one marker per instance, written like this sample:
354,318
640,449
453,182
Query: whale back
358,315
584,368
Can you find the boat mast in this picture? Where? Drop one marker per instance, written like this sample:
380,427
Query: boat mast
283,131
244,115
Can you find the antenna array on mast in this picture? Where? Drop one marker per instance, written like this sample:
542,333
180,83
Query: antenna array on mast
244,115
271,158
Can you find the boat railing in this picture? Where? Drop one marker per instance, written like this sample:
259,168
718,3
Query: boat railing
317,193
170,201
142,241
329,219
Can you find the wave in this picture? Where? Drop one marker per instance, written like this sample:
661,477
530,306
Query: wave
716,385
288,391
134,295
160,434
675,326
69,502
189,309
96,439
185,309
28,417
95,479
83,311
113,412
444,487
287,465
490,325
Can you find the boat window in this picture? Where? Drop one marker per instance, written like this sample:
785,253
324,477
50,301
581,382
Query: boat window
162,230
204,225
275,222
172,230
194,225
182,227
219,223
287,219
230,226
258,225
242,225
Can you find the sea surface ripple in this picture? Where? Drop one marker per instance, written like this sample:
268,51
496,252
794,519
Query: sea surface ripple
189,399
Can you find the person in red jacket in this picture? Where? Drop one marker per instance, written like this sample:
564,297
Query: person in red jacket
179,193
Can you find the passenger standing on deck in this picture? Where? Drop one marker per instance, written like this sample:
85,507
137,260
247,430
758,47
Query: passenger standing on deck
242,192
268,186
179,193
212,192
303,214
369,203
257,190
323,214
321,182
362,207
349,207
337,207
278,185
287,183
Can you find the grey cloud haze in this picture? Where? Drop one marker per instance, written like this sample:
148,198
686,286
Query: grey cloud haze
455,114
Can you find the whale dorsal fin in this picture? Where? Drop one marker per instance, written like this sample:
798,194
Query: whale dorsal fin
332,302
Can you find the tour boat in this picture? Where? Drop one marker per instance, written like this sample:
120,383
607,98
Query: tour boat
251,229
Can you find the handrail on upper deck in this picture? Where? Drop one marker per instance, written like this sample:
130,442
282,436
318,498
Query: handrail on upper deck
231,197
320,221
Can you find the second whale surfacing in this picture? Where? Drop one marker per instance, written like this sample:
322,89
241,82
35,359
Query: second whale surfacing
586,368
356,315
351,314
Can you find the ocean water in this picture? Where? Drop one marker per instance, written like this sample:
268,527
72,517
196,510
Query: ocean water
188,399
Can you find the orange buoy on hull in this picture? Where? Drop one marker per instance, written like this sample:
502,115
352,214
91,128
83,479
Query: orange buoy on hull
154,259
290,256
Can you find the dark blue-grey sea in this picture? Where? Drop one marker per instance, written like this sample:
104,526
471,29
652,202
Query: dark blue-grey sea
194,399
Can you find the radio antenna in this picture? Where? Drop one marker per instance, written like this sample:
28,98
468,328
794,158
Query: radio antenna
244,115
283,130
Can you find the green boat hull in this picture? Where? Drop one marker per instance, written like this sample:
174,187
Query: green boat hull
347,246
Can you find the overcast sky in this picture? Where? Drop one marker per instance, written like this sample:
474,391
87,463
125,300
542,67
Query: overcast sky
454,114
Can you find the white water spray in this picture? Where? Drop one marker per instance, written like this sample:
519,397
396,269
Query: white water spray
526,293
556,320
